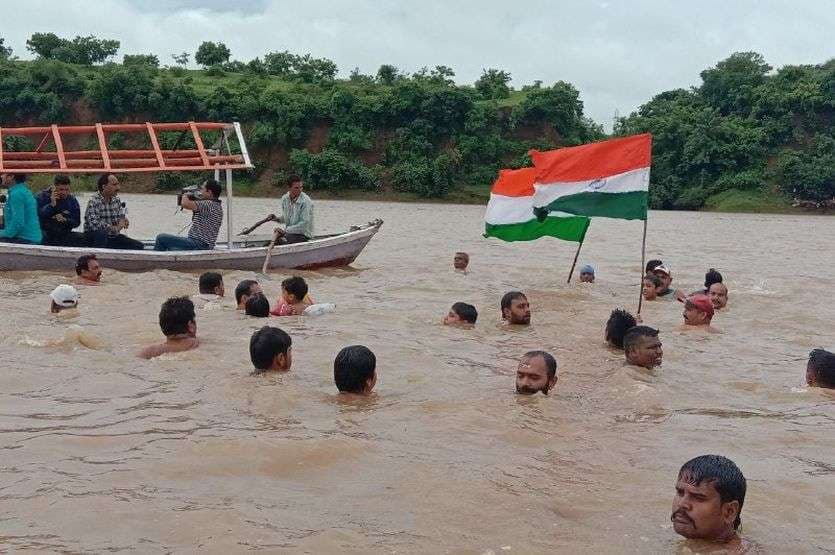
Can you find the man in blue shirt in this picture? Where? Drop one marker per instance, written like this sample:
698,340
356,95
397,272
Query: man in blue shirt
20,213
59,214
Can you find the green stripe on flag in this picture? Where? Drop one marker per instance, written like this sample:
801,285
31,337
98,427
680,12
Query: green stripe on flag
565,228
627,206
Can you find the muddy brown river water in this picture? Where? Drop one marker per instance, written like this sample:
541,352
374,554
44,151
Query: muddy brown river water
100,451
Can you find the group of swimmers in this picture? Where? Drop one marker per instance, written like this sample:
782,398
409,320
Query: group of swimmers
710,489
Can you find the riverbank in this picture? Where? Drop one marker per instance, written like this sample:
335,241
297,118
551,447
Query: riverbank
732,201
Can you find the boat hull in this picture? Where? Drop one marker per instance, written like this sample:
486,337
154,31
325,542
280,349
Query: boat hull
335,250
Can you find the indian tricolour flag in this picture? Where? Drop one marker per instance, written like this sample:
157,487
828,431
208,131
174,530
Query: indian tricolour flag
609,179
510,215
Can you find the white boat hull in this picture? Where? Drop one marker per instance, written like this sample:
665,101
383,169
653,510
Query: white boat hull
335,250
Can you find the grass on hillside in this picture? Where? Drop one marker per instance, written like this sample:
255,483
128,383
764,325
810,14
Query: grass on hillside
756,201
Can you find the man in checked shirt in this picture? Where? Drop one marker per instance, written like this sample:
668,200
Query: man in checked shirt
104,218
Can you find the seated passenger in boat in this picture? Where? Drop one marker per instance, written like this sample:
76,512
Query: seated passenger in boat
205,221
246,289
104,218
296,214
179,325
20,215
88,270
59,214
537,372
271,350
355,370
820,370
294,300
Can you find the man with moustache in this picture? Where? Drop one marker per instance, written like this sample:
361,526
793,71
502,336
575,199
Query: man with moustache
515,308
642,347
537,372
710,492
104,218
698,313
718,294
88,270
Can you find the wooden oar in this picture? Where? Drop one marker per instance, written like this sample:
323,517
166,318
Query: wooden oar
248,230
276,235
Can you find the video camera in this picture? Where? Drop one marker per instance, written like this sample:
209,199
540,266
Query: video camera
191,192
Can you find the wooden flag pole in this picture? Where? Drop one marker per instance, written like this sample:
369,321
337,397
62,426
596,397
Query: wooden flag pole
643,262
576,256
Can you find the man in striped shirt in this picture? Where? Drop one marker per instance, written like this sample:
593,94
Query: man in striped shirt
205,222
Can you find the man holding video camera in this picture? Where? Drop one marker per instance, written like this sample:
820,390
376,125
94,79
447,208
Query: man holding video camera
205,222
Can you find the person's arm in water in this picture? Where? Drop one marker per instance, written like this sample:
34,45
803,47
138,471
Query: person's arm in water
15,223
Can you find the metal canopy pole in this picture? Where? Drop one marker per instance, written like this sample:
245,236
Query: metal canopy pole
229,234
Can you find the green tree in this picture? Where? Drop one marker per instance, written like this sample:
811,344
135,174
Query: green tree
80,50
388,75
212,53
149,60
731,84
5,51
493,84
181,59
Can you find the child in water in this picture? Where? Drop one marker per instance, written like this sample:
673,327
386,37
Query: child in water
294,300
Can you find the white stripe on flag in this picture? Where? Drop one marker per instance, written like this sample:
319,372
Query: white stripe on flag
514,210
634,180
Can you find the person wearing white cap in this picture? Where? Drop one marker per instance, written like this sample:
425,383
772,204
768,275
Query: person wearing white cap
664,293
63,297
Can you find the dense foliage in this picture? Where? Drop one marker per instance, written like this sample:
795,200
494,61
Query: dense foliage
745,128
418,133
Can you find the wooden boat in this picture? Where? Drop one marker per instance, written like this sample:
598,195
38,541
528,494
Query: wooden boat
247,254
228,152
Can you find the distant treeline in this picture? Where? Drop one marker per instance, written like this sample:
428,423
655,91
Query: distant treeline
743,128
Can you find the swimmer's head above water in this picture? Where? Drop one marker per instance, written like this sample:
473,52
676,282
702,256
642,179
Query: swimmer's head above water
63,297
710,492
515,308
820,370
537,372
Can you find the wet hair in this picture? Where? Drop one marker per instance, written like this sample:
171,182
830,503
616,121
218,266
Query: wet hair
103,178
353,367
635,334
257,305
619,322
656,281
466,312
209,281
296,286
213,186
508,299
550,361
83,263
175,315
293,178
822,363
266,344
720,471
465,255
712,276
651,265
243,289
61,179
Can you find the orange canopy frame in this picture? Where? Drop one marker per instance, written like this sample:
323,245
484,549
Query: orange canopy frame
59,160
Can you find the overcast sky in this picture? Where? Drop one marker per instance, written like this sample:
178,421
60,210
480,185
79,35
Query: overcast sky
618,54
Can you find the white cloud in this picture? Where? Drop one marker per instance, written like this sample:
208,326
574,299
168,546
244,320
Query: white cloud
618,54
